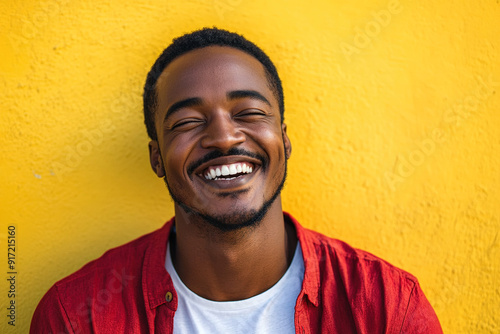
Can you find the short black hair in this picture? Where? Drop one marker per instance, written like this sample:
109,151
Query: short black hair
197,40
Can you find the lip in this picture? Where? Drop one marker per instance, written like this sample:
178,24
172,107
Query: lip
229,184
227,161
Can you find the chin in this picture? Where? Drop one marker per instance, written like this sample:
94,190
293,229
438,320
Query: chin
228,221
237,219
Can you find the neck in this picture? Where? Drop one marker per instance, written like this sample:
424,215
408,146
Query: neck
232,265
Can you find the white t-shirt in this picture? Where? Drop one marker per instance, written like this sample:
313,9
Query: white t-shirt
272,311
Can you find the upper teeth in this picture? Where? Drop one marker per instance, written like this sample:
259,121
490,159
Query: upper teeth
225,170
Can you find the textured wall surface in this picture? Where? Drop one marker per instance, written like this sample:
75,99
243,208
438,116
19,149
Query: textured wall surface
392,108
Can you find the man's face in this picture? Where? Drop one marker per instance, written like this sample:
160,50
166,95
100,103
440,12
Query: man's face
221,145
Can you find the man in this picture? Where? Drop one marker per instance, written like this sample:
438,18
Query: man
230,261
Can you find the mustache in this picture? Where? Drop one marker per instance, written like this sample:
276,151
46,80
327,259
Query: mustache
217,154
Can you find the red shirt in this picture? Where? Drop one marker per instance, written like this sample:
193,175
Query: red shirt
345,290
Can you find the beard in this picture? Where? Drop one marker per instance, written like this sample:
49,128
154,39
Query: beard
233,221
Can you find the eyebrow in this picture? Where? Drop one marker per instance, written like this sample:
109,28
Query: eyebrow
239,94
196,101
190,102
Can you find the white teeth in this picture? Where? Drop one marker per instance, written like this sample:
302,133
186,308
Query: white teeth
227,170
232,169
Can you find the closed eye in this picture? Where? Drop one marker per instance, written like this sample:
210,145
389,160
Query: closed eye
186,124
250,113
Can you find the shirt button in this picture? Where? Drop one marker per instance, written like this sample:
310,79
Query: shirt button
168,296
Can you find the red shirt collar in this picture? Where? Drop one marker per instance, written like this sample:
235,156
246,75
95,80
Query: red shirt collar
157,282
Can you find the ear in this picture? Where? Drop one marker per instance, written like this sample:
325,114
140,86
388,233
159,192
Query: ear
286,141
155,159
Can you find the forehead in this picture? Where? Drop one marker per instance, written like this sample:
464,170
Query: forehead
210,73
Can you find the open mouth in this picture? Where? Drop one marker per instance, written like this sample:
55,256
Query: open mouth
228,172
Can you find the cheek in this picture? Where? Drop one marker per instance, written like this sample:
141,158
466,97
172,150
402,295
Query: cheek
175,157
272,141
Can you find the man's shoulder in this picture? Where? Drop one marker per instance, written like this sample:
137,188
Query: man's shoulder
116,264
110,282
350,283
338,260
368,293
345,257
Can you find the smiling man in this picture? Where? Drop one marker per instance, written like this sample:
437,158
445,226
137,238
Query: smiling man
230,261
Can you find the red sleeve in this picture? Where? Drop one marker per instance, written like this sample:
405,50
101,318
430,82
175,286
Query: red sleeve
50,316
420,316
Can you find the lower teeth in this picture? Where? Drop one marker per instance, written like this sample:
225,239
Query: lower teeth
224,178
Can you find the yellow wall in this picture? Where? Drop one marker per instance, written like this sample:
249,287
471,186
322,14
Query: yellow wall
392,108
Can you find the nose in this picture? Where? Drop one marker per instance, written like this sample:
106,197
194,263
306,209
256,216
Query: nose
222,133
